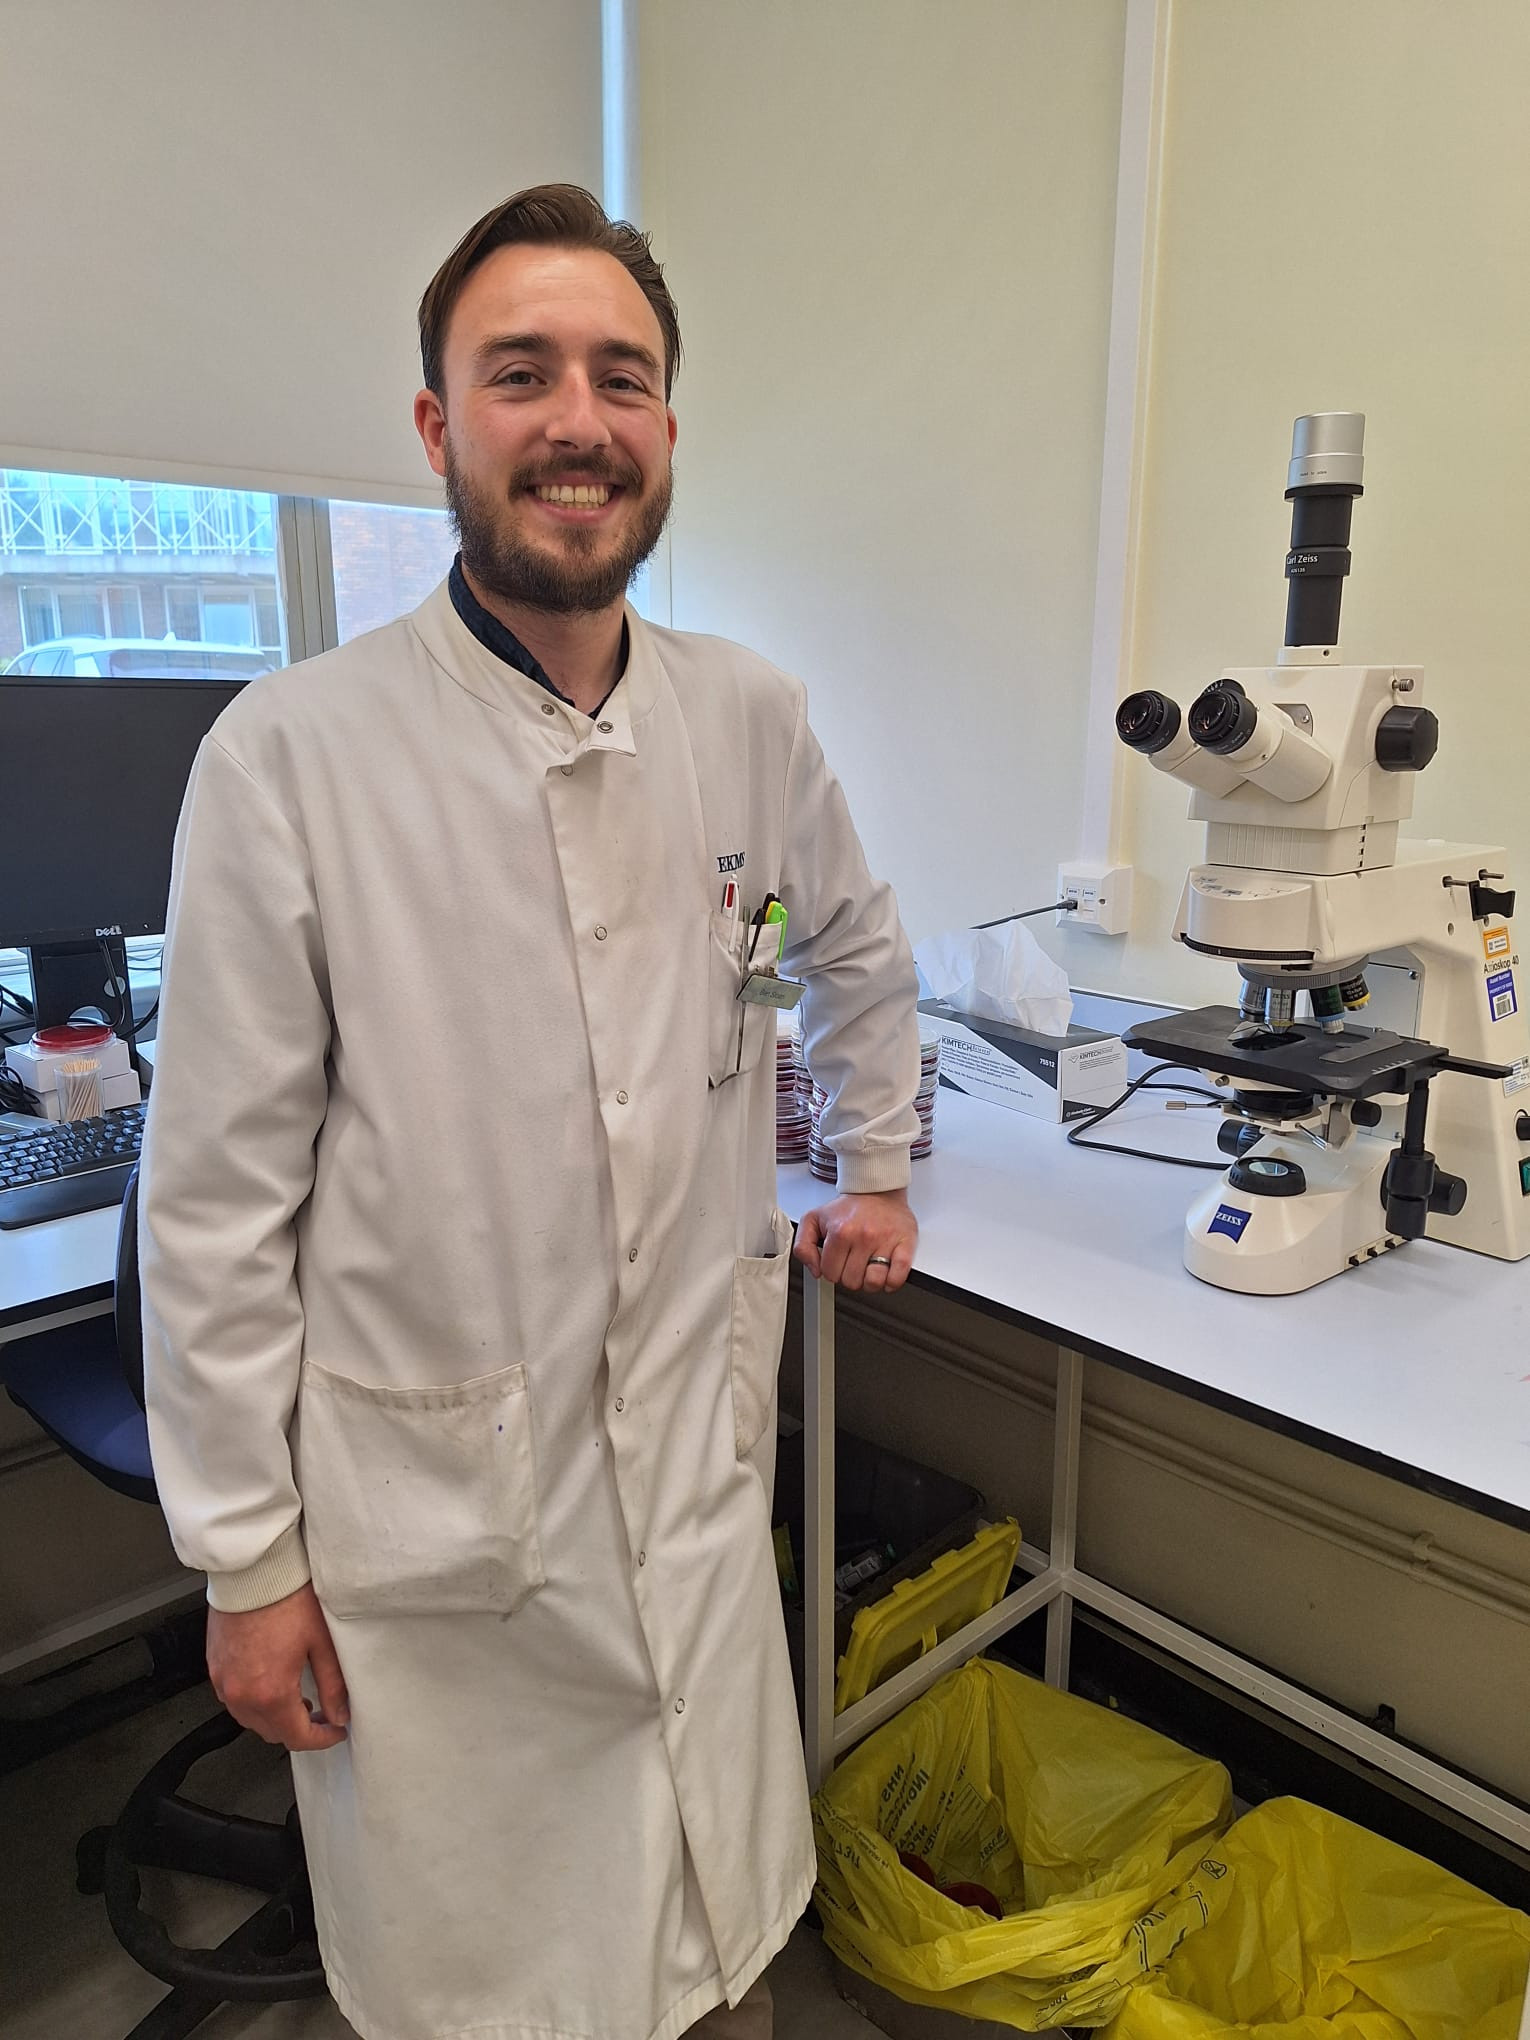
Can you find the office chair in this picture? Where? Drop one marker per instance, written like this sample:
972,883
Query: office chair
83,1385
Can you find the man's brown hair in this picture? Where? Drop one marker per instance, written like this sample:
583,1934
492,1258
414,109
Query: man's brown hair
549,216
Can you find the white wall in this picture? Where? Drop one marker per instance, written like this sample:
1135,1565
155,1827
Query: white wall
889,227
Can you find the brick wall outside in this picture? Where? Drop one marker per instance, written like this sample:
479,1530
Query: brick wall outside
386,562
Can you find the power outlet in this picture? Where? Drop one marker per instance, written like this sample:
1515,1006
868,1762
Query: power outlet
1103,892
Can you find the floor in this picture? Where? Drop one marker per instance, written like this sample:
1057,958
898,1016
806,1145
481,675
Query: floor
62,1973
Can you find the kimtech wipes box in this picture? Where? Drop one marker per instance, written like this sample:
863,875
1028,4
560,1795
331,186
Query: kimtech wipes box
1050,1076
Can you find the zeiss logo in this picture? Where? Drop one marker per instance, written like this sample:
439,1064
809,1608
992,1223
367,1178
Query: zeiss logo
734,861
1229,1220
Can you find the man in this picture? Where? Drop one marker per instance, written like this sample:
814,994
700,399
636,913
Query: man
464,1278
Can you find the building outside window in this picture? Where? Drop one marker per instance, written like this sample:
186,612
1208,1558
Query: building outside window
143,565
88,557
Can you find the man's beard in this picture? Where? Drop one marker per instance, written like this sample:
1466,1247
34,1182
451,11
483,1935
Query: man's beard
579,578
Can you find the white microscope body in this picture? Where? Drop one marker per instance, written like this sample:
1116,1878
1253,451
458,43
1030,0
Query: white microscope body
1301,772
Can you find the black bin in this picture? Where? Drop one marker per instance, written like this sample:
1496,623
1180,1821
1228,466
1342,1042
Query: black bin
892,1518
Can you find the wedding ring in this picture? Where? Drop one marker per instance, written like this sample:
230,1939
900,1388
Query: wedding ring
878,1261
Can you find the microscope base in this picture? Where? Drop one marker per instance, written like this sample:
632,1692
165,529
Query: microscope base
1277,1246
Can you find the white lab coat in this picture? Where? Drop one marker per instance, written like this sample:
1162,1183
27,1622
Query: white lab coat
464,1288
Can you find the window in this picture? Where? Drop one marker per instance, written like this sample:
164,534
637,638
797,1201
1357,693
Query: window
124,612
385,561
88,558
81,611
183,612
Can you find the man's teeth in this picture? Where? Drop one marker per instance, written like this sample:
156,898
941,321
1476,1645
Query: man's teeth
592,496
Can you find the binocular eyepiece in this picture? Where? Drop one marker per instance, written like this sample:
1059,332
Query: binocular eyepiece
1225,739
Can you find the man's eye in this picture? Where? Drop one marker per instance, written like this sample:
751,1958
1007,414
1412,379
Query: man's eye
519,378
623,383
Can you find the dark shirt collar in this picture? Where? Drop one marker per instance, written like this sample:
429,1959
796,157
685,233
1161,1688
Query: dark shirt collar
504,643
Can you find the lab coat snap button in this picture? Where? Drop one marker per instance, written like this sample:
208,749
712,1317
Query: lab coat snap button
620,1405
642,1558
600,934
548,709
632,1253
605,728
567,771
679,1706
621,1097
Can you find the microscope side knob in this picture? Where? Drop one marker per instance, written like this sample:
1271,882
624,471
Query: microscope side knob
1406,739
1236,1136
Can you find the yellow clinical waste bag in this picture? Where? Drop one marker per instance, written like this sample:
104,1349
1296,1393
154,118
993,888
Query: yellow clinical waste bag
1320,1930
1079,1823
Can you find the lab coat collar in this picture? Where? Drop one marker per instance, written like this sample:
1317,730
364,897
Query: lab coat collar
474,668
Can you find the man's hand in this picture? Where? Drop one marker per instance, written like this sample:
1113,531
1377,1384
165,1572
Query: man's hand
864,1240
256,1660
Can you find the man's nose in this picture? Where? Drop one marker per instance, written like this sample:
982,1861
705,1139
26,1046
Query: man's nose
576,418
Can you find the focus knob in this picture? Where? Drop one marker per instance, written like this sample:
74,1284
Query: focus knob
1406,739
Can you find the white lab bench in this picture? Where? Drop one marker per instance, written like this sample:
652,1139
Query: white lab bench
1416,1366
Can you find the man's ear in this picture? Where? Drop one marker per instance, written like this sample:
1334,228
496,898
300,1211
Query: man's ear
430,423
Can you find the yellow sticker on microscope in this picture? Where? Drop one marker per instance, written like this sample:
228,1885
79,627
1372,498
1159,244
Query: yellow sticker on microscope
1495,942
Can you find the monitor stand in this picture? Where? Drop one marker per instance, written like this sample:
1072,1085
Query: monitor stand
68,976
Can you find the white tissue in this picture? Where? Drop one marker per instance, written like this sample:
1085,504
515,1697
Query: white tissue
998,974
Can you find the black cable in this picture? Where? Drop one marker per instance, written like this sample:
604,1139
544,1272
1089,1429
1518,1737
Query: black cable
121,986
1080,1127
1030,913
23,1006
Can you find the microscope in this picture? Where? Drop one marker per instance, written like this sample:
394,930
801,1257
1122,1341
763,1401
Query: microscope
1345,1140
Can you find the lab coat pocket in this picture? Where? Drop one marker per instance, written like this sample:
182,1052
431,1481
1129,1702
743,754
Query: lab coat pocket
419,1501
758,1322
736,1032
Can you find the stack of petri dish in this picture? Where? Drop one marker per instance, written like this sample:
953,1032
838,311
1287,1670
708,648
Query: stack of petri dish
929,1083
821,1158
792,1114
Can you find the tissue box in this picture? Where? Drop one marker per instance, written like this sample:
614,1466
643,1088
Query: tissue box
1049,1076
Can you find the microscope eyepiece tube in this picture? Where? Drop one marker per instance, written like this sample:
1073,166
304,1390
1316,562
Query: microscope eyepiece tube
1150,723
1222,718
1263,745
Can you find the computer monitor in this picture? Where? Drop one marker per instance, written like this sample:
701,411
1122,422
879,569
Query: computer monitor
96,773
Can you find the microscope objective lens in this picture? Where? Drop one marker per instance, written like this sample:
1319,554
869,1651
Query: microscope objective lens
1355,992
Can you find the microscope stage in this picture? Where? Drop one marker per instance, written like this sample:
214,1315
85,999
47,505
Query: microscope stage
1355,1064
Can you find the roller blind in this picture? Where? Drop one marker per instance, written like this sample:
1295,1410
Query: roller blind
219,218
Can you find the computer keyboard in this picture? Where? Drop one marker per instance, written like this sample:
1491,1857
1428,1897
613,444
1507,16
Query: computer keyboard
82,1165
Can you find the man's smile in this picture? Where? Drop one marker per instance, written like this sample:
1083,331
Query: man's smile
576,502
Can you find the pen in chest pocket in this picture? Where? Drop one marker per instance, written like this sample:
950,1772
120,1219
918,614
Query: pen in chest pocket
767,933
